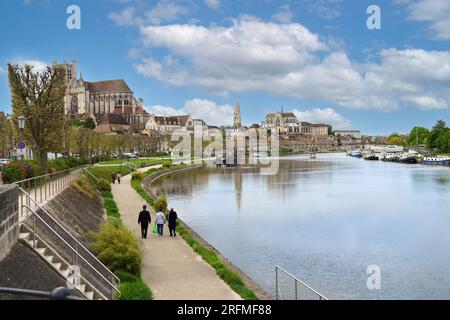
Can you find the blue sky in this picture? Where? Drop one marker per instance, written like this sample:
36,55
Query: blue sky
316,58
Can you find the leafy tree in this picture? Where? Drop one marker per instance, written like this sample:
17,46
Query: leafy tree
443,140
39,97
89,123
6,136
395,139
330,130
418,135
439,129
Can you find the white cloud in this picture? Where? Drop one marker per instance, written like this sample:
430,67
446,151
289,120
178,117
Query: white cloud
435,12
285,14
125,18
37,66
288,59
209,111
165,11
213,4
326,115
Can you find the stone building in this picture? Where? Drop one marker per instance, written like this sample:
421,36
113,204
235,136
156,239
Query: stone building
94,99
283,122
111,123
169,124
314,129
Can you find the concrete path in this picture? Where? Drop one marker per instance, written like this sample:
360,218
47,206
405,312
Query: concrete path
170,267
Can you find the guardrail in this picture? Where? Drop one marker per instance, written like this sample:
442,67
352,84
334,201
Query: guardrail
61,293
298,287
63,237
44,188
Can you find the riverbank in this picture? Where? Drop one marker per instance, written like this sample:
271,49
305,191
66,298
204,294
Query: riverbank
191,234
171,268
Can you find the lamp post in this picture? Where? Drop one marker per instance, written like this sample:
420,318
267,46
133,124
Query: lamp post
21,121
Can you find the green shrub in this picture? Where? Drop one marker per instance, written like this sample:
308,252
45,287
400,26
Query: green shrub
161,204
136,290
137,176
103,185
11,174
117,248
114,221
111,208
126,277
107,194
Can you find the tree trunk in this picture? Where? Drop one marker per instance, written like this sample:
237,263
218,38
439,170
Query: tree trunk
43,160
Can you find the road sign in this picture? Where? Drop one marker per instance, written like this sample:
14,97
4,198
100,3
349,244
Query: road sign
21,145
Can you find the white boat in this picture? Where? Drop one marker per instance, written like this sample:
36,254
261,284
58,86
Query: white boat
436,161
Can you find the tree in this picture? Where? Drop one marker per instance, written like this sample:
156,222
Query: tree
418,136
39,97
89,123
395,139
439,128
6,137
330,130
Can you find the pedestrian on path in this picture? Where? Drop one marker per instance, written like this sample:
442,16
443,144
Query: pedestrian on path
173,222
113,177
144,220
160,220
119,176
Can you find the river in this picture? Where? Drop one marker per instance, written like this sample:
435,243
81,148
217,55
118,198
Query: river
326,221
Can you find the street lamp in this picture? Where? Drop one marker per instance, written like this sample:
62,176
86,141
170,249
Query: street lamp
21,121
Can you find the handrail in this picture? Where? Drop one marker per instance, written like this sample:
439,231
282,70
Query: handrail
91,174
70,235
51,174
321,296
56,294
70,247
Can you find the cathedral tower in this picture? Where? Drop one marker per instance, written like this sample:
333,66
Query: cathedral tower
237,121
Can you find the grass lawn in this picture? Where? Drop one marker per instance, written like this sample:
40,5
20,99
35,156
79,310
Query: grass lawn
138,162
106,172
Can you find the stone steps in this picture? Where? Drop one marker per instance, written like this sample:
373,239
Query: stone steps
57,263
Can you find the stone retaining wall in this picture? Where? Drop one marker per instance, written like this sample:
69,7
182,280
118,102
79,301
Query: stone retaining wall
9,218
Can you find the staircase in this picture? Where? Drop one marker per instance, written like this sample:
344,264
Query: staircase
58,263
63,252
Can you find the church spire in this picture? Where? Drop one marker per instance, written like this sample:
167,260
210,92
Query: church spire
237,122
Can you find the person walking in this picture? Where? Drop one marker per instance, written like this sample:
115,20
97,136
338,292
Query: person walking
119,176
144,220
113,177
173,222
160,220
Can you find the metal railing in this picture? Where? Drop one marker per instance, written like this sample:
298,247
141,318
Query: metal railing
44,188
298,287
62,238
61,293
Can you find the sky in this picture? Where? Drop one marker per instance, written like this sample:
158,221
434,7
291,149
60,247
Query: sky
316,58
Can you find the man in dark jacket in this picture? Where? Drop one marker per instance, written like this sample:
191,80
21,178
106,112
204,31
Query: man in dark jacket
144,220
172,222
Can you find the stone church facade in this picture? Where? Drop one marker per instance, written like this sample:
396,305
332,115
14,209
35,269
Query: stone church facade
95,99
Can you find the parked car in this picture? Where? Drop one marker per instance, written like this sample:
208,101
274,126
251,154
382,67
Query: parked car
4,162
130,155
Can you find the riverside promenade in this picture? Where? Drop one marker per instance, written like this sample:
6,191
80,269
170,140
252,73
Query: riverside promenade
169,266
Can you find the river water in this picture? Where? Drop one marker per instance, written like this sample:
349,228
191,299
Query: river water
326,221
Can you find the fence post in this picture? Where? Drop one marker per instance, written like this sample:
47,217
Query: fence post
296,290
276,283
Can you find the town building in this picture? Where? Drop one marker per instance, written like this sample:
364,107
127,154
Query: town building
355,134
282,122
111,123
94,99
170,124
314,129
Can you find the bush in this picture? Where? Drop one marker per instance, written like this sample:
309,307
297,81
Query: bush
107,194
103,185
117,248
11,174
161,204
126,277
111,208
136,290
137,176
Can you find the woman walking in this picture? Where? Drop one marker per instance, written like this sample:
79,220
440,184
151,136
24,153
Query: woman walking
160,220
173,222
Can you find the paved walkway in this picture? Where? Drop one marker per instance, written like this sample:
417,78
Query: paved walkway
169,266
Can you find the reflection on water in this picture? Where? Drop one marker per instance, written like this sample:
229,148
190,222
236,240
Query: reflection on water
326,221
